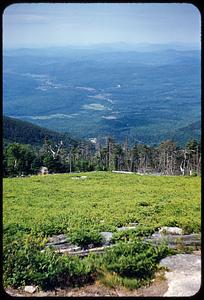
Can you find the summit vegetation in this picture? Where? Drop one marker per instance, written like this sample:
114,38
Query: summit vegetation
38,207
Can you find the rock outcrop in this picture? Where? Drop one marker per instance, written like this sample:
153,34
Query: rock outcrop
183,275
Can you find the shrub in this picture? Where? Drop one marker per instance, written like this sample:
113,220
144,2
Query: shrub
130,264
25,264
18,258
85,237
135,259
129,235
14,230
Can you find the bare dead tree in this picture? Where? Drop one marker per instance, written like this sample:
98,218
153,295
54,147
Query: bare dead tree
55,152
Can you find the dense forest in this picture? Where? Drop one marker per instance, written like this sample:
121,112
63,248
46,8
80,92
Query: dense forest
15,130
22,155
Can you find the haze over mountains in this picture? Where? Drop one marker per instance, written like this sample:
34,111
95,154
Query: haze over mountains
145,92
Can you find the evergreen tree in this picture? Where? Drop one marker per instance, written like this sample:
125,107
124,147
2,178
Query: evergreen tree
19,159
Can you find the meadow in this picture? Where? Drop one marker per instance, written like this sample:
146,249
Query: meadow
37,207
55,203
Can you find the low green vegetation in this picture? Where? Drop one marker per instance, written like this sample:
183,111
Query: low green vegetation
134,260
59,203
37,207
83,237
130,265
25,264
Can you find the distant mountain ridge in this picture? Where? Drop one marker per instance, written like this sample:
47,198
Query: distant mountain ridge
101,47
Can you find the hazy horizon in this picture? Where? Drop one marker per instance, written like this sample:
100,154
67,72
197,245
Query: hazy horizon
43,25
116,44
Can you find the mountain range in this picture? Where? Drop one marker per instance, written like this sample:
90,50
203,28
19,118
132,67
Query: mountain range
146,94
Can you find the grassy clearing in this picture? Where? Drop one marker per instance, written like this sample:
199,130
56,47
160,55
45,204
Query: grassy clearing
57,203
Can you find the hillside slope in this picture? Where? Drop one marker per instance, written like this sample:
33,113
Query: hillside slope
15,130
186,133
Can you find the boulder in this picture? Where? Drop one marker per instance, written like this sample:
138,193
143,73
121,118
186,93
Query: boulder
177,241
171,230
107,236
183,275
30,289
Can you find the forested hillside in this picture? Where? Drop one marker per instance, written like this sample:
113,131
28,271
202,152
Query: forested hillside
23,132
27,148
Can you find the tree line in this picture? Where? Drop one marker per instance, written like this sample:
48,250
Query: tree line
165,159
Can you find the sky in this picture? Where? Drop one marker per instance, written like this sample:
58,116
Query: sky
63,24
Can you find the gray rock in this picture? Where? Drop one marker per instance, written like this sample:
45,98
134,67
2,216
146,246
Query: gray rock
126,228
30,289
107,236
57,239
174,241
84,252
60,242
171,230
186,262
67,247
184,274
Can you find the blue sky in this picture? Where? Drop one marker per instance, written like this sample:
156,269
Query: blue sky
42,25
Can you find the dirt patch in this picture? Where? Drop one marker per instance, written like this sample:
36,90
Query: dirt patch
157,288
